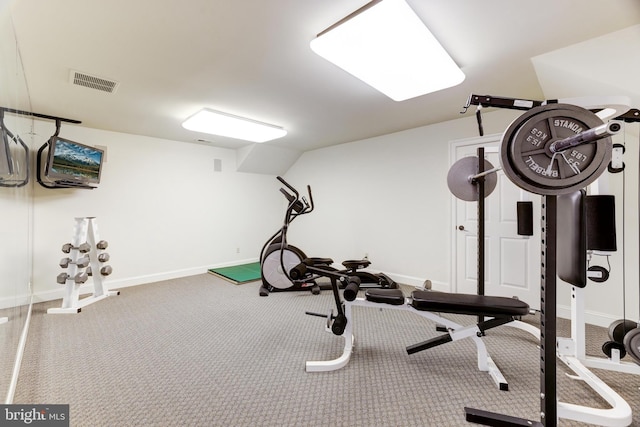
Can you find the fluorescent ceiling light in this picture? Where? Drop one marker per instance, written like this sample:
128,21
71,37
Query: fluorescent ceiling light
386,45
223,124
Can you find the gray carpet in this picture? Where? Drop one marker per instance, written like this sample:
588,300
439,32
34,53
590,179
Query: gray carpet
10,333
200,351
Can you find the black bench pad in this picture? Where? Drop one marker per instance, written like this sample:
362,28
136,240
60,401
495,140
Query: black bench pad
476,305
385,296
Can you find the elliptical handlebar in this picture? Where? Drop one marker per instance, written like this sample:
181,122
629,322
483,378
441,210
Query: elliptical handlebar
289,186
297,205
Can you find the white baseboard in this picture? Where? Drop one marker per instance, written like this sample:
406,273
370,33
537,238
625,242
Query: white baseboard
419,282
591,317
14,301
87,288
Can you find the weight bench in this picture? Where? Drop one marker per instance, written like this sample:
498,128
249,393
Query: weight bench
498,310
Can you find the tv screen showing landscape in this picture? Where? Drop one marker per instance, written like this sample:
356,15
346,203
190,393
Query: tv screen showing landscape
73,161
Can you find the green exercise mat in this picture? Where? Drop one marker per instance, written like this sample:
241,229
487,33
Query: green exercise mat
238,273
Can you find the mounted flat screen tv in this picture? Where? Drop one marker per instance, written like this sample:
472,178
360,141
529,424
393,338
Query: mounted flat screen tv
70,162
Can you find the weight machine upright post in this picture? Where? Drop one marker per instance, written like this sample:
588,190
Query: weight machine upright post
481,229
548,311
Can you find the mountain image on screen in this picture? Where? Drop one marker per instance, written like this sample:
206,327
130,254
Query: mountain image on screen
76,160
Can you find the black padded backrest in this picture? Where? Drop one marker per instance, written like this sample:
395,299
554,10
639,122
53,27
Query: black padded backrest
524,212
572,239
601,223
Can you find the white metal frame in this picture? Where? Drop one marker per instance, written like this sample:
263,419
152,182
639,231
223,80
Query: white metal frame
572,351
456,331
85,230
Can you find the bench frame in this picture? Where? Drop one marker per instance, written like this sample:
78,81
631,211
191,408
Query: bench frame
455,332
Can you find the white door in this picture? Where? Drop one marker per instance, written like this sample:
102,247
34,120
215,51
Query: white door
512,262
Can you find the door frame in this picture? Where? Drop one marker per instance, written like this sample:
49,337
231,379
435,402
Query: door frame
487,140
490,142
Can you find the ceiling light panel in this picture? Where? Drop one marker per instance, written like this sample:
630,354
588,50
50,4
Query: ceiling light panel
223,124
386,45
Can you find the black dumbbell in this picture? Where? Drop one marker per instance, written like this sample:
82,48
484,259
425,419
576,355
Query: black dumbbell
84,247
81,277
609,346
619,328
78,278
80,262
105,271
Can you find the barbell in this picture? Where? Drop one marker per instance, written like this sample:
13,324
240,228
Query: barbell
556,149
552,149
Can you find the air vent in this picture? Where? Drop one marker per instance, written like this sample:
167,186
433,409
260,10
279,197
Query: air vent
93,82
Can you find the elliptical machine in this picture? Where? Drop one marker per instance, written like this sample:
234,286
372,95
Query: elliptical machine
277,257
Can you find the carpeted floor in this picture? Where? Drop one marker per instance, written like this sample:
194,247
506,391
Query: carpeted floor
200,351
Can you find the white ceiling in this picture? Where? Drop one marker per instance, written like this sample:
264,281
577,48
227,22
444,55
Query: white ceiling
252,58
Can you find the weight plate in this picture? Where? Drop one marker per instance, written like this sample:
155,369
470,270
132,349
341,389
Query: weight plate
461,184
619,328
607,348
632,344
527,159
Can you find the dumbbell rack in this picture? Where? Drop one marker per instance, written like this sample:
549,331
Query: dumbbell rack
85,231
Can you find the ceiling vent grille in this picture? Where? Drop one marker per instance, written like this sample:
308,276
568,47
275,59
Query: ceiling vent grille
82,79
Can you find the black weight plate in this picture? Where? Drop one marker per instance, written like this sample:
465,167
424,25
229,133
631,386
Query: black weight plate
607,348
460,184
632,344
619,328
528,161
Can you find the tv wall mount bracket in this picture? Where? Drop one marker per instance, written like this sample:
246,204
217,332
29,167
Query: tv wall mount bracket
58,121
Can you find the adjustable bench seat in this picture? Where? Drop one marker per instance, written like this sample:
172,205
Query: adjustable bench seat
475,305
443,302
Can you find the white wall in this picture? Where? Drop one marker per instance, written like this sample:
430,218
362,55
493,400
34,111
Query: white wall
387,197
161,206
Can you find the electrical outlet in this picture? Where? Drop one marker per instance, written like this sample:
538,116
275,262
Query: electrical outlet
237,250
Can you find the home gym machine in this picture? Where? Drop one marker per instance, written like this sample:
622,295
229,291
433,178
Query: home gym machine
500,310
277,257
471,180
553,150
